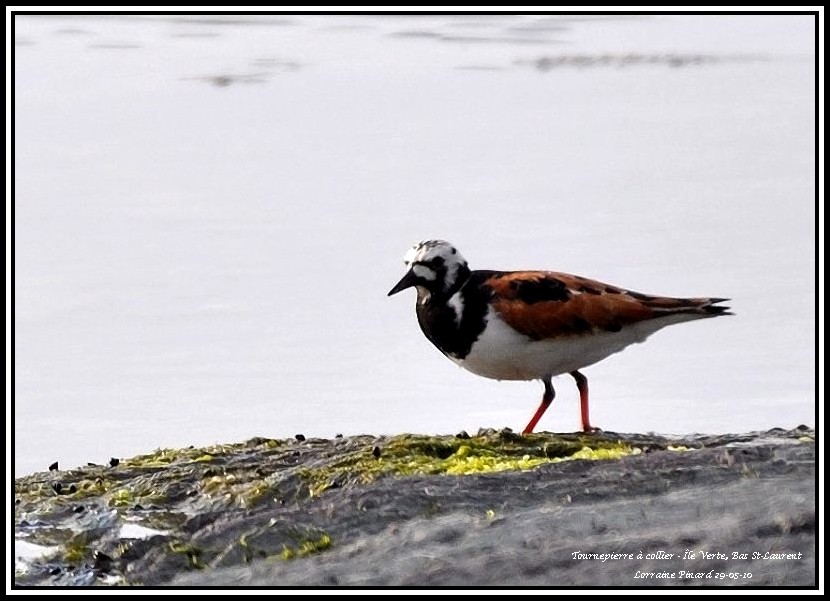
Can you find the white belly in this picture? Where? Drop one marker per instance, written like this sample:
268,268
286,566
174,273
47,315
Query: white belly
502,353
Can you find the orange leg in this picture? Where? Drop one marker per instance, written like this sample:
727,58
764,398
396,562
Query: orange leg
547,399
582,385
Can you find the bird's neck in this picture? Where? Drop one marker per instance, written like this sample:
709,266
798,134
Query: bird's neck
462,274
438,297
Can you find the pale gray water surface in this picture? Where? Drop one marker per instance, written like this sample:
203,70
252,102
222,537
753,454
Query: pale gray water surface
209,212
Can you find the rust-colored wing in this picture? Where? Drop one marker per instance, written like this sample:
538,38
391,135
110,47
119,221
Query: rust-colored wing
546,304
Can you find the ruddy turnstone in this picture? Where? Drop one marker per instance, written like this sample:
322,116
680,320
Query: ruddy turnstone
533,325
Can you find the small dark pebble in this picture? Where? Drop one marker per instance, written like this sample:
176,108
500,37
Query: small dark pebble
295,454
338,436
24,523
138,507
299,437
463,435
114,461
53,467
72,489
54,571
103,562
90,464
376,452
57,487
78,509
802,427
17,501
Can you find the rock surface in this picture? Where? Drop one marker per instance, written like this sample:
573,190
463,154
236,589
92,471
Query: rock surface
495,509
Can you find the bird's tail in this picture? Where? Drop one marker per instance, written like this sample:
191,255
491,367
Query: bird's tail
702,307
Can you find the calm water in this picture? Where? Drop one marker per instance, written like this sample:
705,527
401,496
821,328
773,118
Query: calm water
210,211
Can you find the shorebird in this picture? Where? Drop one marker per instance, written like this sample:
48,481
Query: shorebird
533,325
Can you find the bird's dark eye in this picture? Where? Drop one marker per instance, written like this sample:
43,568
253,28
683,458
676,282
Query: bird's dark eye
437,262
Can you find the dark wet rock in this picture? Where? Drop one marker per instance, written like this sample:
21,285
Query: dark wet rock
299,437
102,562
493,509
114,461
463,435
53,467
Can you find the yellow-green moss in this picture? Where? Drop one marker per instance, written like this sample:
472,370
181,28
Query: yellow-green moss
247,552
307,547
128,496
189,551
253,493
75,550
618,451
422,455
165,457
244,489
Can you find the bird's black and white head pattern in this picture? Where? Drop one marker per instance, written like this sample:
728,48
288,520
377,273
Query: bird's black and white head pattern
436,266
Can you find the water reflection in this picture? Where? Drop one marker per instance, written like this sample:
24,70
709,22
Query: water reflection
72,31
224,20
116,46
470,39
227,79
210,263
581,61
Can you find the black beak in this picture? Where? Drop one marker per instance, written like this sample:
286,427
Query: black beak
407,281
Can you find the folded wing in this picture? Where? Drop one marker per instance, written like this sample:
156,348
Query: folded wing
546,304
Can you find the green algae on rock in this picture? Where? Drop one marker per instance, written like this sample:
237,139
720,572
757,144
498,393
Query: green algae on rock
407,455
148,519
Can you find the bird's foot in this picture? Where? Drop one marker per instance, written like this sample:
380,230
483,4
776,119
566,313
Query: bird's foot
589,429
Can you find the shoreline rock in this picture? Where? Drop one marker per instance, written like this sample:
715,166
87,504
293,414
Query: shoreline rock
494,509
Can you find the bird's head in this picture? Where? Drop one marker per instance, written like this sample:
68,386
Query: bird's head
435,267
